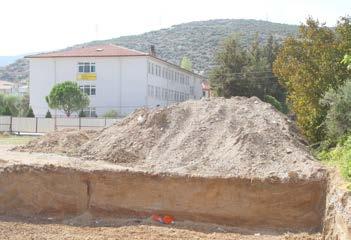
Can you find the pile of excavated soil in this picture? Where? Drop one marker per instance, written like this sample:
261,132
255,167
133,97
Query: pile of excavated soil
65,141
241,137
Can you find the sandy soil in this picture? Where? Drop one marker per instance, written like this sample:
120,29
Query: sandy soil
23,229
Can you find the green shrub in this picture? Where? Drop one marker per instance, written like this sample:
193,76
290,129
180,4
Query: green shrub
338,119
30,113
6,111
81,114
275,103
48,114
111,114
340,156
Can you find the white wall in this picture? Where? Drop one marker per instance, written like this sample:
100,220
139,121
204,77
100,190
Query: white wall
42,78
169,84
120,83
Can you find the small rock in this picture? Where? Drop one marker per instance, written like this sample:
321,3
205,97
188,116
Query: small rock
141,119
288,151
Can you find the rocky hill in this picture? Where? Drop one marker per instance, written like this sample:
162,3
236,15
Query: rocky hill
197,40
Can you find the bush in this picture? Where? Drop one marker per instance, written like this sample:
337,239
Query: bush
6,111
111,114
339,156
81,114
30,113
275,103
48,114
338,119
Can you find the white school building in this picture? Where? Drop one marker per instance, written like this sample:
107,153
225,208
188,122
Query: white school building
114,77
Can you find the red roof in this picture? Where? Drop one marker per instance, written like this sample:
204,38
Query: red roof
108,50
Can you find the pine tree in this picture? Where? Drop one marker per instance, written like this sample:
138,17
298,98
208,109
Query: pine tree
7,111
30,113
48,114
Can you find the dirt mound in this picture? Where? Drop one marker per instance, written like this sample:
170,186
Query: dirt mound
234,137
65,141
241,137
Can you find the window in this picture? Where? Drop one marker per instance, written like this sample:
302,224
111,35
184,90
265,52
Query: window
158,92
151,91
88,89
86,67
159,71
177,76
181,97
176,96
92,90
191,90
187,78
90,112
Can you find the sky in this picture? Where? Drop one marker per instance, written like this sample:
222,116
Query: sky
30,26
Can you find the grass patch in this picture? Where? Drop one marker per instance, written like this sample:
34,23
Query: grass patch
339,157
14,139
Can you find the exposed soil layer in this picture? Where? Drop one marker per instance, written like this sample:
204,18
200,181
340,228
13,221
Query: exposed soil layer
39,184
337,222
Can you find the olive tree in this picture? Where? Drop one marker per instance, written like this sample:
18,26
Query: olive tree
68,97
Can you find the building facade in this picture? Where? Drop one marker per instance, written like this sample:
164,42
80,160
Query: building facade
6,87
115,78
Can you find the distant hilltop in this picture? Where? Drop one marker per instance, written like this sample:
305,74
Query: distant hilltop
197,40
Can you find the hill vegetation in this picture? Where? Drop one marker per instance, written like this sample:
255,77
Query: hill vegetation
199,41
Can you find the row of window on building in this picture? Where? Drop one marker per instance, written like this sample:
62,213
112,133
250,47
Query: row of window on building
167,94
169,74
86,67
89,89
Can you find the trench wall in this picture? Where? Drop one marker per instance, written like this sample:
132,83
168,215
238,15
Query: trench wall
236,202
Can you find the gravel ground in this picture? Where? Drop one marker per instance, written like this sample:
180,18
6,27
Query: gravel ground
18,229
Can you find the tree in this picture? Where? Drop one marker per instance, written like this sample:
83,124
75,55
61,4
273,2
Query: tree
227,78
111,114
347,60
246,72
2,104
12,102
7,111
68,97
48,114
23,106
307,66
338,119
186,64
30,113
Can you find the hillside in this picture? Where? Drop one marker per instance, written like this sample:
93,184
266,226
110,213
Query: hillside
6,60
197,40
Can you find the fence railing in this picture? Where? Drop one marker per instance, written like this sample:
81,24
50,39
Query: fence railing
44,125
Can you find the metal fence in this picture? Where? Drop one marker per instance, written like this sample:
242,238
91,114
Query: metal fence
44,125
